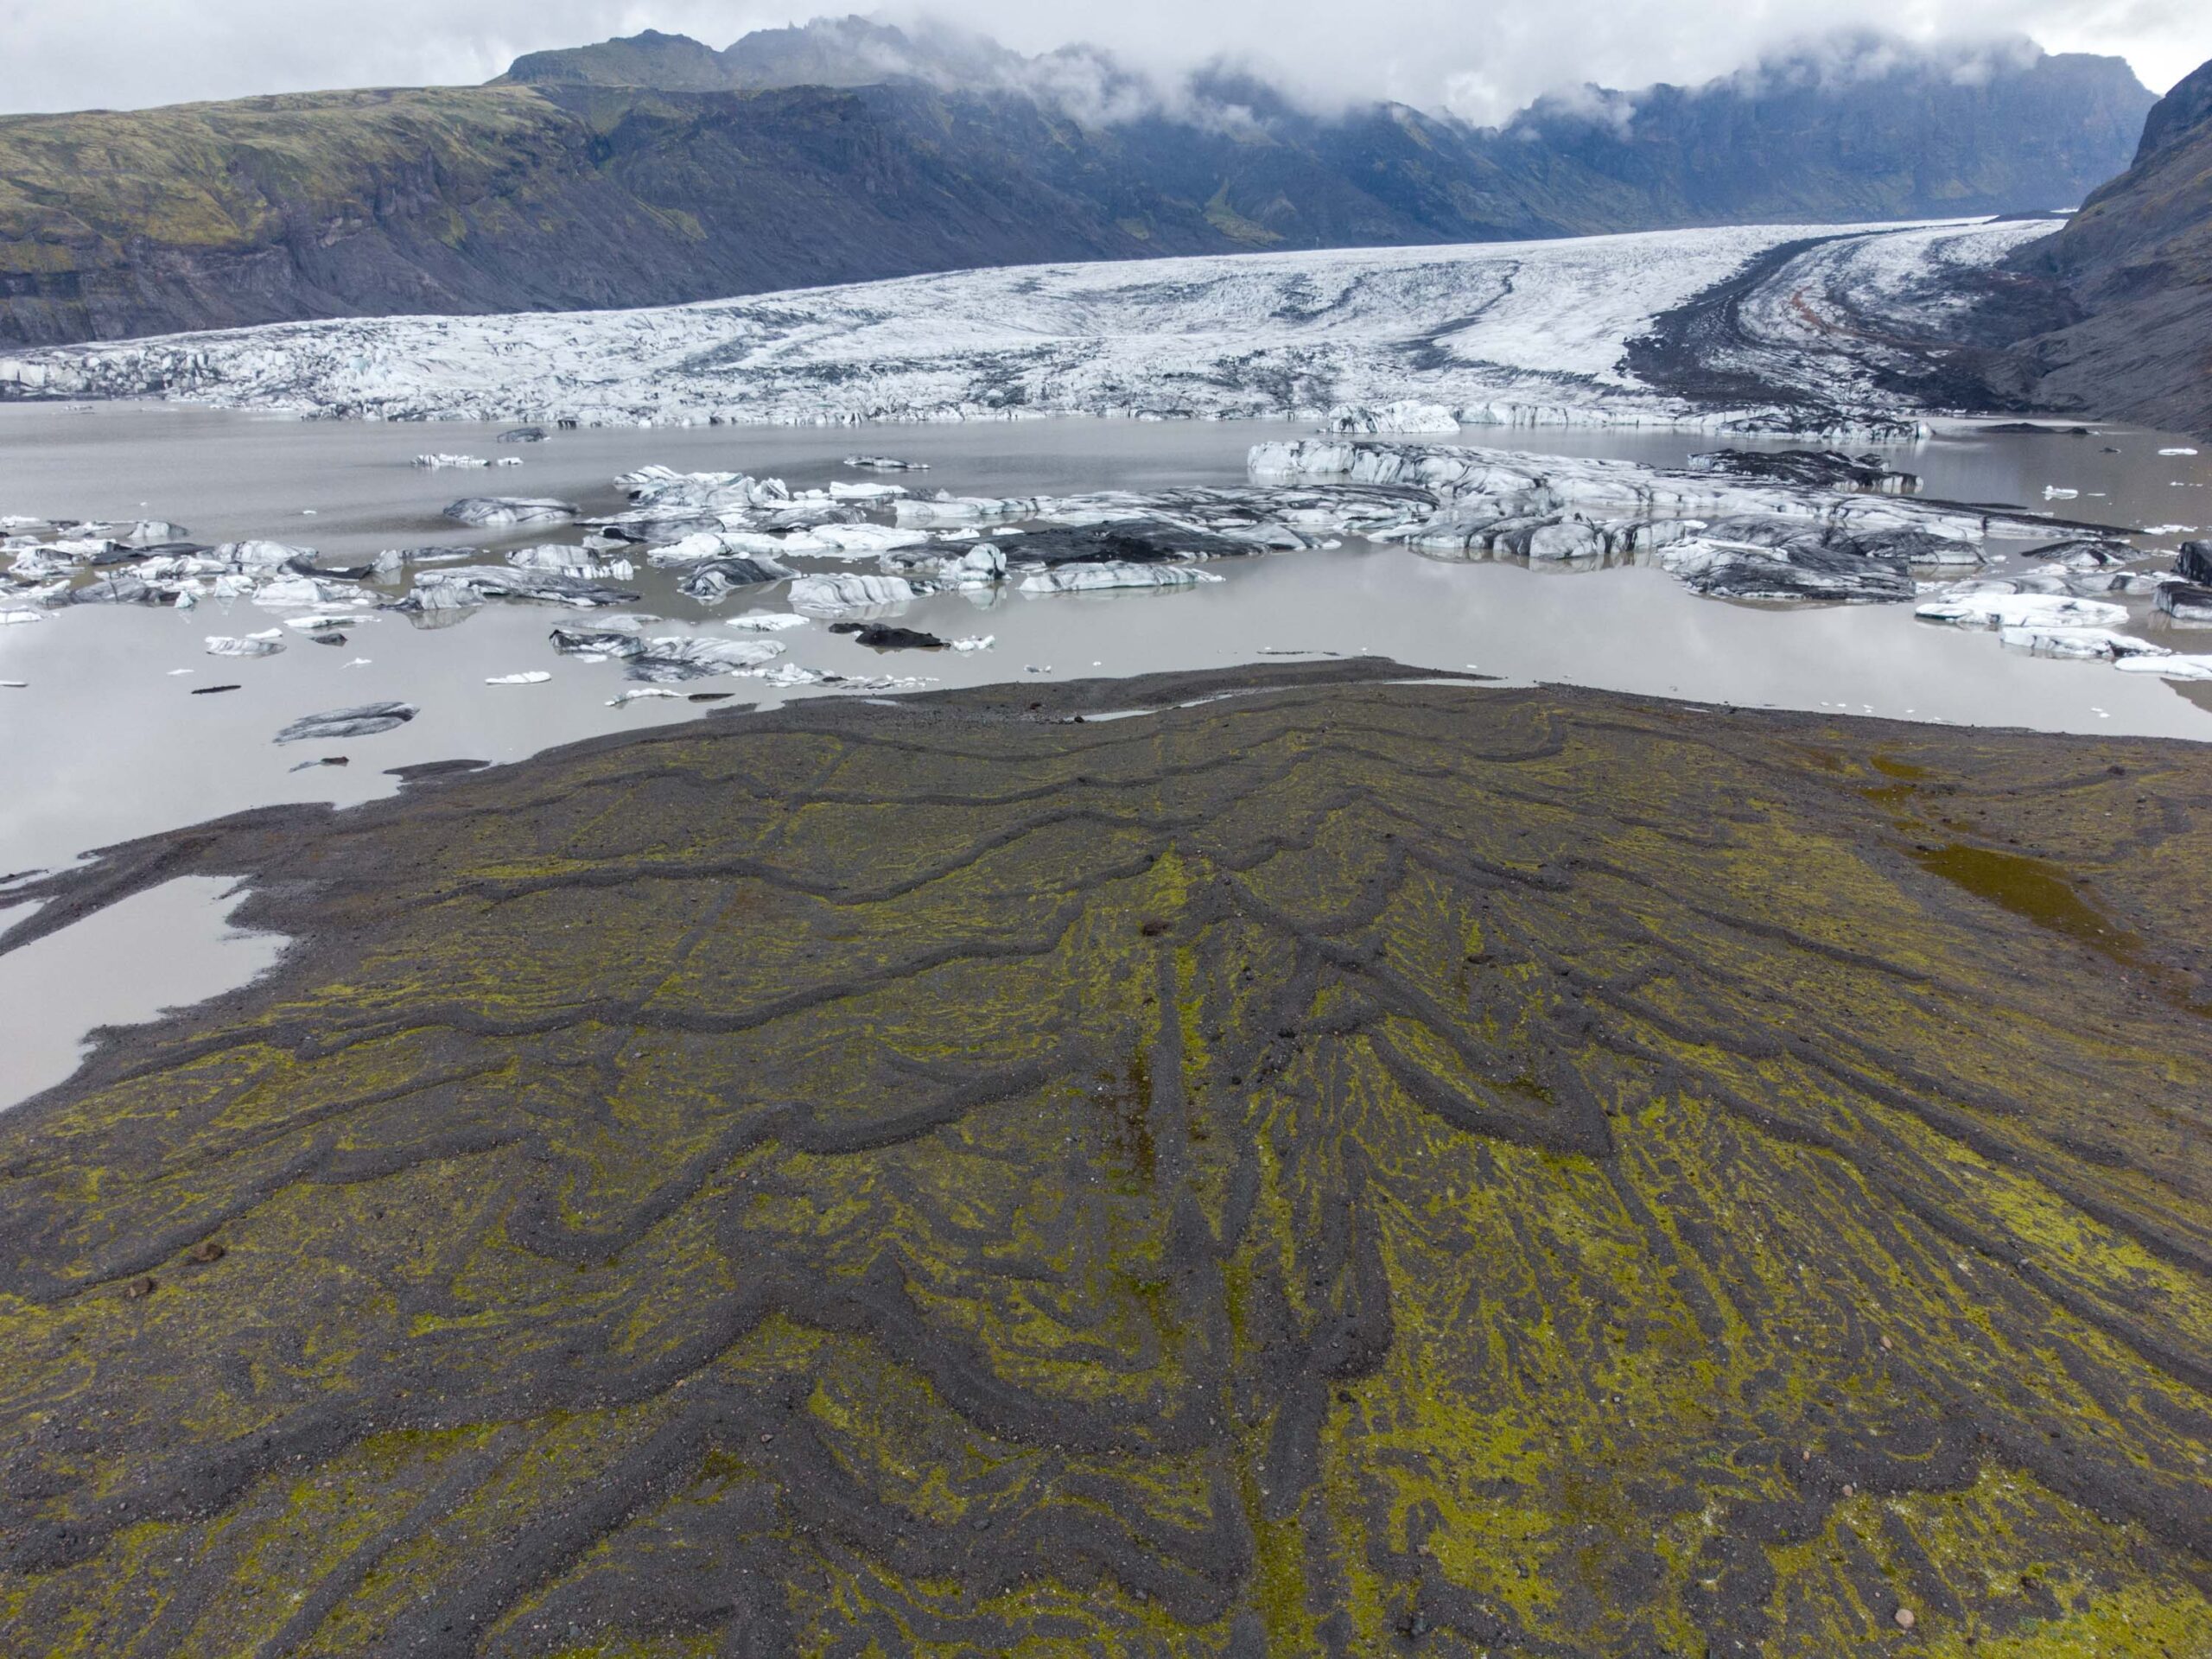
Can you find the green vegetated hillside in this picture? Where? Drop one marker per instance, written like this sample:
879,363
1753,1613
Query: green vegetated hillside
656,170
1348,1168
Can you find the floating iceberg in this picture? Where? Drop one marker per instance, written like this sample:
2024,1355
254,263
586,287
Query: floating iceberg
365,721
502,512
1090,578
837,595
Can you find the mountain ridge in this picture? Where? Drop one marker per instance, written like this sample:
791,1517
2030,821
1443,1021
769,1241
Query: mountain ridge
941,152
2111,317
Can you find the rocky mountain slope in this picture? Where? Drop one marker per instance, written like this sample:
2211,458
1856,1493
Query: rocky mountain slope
2135,266
656,170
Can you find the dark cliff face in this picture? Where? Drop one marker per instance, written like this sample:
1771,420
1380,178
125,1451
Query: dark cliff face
656,170
2133,269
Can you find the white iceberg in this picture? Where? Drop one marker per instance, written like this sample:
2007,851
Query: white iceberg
841,595
1089,578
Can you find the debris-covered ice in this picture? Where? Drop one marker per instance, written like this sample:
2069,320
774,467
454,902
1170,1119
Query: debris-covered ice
365,721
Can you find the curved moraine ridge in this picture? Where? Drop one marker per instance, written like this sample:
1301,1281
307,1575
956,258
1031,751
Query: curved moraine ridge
1311,1171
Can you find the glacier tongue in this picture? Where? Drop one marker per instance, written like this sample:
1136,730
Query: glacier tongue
1372,341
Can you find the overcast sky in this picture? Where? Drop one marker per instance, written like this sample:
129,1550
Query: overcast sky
1480,58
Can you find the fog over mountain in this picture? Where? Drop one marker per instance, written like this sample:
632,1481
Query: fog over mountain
1478,62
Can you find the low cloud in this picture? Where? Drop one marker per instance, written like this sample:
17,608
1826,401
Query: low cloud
1481,60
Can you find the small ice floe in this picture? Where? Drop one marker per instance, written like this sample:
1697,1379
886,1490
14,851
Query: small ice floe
852,541
1086,578
323,622
13,617
504,512
2053,493
2084,645
534,676
393,560
885,464
440,463
313,593
572,560
982,566
948,510
2173,666
1792,570
220,644
2007,609
522,434
977,642
766,621
782,676
840,595
841,491
365,721
2178,452
2169,530
361,661
472,585
14,685
669,658
716,579
639,695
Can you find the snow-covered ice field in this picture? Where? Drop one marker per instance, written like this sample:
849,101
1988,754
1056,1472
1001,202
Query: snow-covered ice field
1496,335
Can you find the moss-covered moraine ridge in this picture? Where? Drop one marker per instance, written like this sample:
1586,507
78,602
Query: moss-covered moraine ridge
1342,1168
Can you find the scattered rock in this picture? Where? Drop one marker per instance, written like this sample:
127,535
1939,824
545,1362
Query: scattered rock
883,637
425,771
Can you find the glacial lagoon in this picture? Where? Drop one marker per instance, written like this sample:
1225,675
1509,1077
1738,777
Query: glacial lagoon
116,729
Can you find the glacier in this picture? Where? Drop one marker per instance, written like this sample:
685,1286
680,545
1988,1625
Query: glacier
1369,340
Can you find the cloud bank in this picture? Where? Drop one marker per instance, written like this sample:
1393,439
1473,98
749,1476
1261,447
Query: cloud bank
1479,59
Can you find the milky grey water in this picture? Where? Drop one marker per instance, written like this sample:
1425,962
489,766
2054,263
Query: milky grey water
105,741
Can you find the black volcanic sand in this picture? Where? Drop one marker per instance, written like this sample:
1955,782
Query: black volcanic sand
1339,1168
